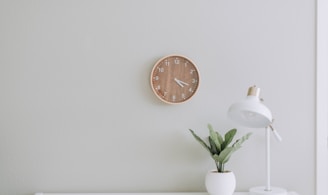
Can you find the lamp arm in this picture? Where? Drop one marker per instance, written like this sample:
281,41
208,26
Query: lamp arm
276,134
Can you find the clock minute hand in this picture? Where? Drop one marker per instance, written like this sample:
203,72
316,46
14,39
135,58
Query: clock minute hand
178,82
181,83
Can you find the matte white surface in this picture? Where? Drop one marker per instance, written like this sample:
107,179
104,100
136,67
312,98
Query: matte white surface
180,193
250,112
77,112
262,190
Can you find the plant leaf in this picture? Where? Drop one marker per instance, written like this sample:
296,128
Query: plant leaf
216,157
200,141
228,137
225,154
214,149
220,138
215,137
238,142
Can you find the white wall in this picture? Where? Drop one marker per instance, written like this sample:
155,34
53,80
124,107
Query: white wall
77,113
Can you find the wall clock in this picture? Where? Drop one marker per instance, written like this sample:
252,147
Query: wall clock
174,79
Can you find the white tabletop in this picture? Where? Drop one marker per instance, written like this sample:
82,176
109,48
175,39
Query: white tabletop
149,193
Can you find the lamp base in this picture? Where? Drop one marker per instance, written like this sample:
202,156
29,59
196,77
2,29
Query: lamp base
262,191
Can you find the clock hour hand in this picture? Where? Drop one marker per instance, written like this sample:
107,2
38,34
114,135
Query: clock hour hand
179,82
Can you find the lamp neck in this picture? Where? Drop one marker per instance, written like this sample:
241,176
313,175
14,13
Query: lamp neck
253,91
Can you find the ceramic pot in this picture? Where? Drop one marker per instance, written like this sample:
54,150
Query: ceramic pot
220,183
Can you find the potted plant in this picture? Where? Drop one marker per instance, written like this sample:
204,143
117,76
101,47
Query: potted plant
220,181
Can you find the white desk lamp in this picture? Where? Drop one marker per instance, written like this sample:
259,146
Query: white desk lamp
251,112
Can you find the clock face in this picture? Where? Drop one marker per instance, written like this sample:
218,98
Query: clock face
174,79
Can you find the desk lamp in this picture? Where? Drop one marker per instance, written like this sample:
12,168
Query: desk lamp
251,112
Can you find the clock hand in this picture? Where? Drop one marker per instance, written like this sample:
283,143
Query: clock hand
178,82
181,83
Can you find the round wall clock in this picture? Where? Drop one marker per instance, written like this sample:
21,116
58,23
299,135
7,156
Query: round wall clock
174,79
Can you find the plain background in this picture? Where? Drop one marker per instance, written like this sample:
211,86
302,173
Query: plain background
77,113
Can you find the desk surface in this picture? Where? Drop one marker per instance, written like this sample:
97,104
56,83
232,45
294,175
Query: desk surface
149,193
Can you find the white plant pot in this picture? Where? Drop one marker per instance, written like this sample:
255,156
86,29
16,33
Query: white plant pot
220,183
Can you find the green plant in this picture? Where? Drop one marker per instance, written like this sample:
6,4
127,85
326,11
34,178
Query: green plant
219,147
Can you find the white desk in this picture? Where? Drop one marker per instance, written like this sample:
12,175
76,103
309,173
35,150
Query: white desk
156,193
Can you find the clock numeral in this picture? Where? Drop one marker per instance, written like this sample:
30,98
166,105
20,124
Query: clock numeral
194,81
165,93
160,69
156,78
177,61
158,87
186,63
174,97
183,96
167,62
191,90
192,71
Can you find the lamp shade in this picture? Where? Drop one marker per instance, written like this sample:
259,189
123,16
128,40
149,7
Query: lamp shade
251,112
